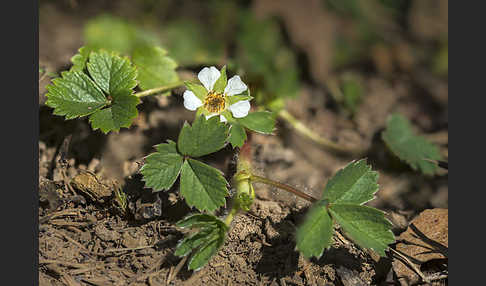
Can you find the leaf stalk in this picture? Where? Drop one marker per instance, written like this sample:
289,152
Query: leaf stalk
157,90
258,179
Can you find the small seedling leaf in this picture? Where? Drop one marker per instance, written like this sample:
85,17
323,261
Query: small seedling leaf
155,68
189,243
196,220
259,121
205,243
205,252
413,149
356,183
162,168
74,95
203,186
315,233
366,226
205,136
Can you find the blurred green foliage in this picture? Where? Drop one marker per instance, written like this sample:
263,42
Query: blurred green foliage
116,34
190,44
270,65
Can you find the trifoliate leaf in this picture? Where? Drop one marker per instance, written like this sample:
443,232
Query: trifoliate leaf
205,243
162,168
259,121
356,183
121,113
155,68
237,135
205,136
74,95
199,90
80,59
112,73
410,148
221,82
366,226
315,233
203,186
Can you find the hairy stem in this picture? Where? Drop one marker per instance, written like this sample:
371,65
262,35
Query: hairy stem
157,90
324,142
258,179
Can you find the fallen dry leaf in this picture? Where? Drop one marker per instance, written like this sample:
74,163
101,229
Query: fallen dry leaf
425,239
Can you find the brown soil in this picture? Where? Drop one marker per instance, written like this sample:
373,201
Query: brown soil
83,241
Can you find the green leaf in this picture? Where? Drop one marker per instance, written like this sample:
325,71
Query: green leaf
315,233
352,93
237,135
202,186
116,34
230,100
221,82
199,90
196,220
366,226
205,136
268,62
192,44
259,121
120,114
203,254
112,73
410,148
74,95
356,183
205,243
191,242
80,59
162,168
155,68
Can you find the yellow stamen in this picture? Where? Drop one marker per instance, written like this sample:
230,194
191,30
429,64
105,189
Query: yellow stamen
214,102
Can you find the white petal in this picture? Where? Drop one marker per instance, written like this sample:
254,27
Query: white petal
210,115
191,101
235,86
208,76
222,118
240,109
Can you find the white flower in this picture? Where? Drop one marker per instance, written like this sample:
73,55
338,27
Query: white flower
214,102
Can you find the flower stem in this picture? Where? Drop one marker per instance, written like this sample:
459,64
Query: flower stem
258,179
229,218
157,90
305,131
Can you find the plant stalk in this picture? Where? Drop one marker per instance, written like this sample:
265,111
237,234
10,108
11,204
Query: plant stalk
258,179
157,90
229,218
321,141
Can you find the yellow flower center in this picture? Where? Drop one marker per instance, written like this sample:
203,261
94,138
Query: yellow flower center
214,102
